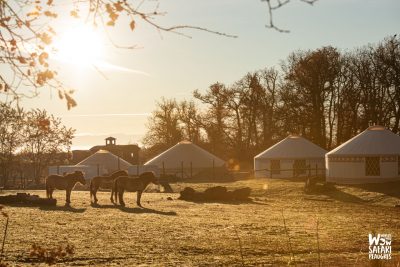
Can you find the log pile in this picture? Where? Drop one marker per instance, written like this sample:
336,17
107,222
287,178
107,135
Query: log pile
217,193
27,199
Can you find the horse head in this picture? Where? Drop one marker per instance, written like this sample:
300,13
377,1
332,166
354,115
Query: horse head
79,176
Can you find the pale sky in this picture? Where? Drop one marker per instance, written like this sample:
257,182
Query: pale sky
173,66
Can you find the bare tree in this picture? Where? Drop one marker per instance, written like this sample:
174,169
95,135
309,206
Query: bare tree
387,56
164,129
313,75
214,119
189,117
46,140
273,5
11,126
325,95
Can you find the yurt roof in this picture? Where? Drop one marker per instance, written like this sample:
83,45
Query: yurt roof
186,152
105,158
376,140
293,147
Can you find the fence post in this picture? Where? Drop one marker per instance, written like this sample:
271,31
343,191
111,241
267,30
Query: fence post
163,168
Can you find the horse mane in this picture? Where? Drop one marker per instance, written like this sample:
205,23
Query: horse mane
72,174
118,173
147,176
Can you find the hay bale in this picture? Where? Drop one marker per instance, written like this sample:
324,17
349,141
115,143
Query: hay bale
187,193
241,193
216,193
27,199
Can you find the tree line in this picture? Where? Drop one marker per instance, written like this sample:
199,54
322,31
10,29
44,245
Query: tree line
30,140
326,95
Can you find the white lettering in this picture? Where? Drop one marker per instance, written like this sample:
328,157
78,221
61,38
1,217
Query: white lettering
374,239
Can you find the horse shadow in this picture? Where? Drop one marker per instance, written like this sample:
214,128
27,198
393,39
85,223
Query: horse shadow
65,208
226,202
136,210
335,193
388,188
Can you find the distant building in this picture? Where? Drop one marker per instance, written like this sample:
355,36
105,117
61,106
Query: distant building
130,153
292,157
372,156
185,159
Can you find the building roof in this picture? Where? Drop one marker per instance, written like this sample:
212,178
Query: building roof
186,152
107,160
293,147
113,147
376,140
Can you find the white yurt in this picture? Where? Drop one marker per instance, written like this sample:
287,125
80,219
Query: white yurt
105,162
185,159
373,156
292,157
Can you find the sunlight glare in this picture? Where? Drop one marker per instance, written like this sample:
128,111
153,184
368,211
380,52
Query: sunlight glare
80,46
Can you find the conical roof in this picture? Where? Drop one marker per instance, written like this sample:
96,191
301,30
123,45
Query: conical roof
376,140
186,152
293,147
107,160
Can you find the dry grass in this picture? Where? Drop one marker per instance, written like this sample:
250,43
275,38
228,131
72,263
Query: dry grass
171,233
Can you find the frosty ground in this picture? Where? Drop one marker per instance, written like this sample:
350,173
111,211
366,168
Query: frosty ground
279,227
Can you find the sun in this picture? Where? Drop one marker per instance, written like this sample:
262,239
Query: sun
81,46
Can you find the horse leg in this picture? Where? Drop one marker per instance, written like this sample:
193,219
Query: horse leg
94,192
117,189
91,189
112,194
68,197
47,190
121,197
114,190
139,196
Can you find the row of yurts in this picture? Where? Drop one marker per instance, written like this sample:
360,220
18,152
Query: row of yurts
372,156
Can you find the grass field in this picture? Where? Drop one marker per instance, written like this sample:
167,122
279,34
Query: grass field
174,232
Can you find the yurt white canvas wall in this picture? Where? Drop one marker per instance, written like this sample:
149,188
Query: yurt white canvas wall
106,162
292,157
185,158
373,156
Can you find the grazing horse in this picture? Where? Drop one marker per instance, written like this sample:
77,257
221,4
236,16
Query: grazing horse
66,182
137,184
105,182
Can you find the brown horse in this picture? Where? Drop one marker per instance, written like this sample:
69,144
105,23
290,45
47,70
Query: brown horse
137,184
105,182
66,182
